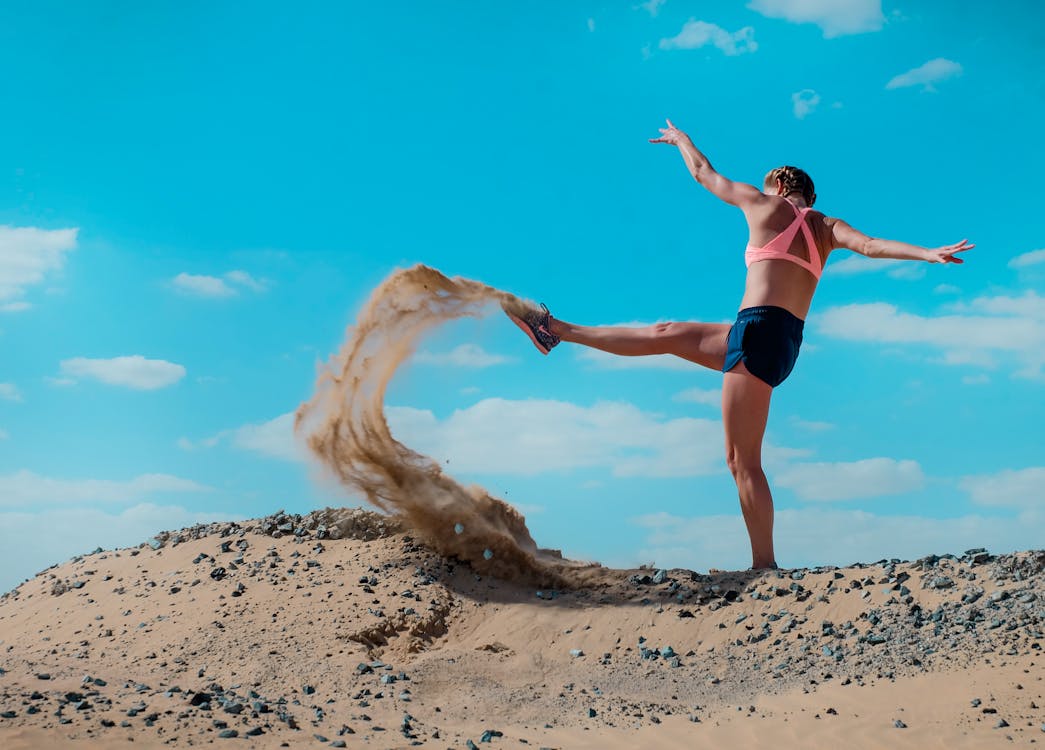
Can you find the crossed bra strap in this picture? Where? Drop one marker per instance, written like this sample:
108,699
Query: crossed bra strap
777,248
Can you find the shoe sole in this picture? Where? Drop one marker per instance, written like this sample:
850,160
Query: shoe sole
526,329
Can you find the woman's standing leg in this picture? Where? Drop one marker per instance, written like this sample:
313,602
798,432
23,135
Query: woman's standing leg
703,343
745,411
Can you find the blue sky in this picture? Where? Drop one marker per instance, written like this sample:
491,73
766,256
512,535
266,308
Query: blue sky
197,199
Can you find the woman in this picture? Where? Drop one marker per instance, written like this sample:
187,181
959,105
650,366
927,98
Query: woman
787,248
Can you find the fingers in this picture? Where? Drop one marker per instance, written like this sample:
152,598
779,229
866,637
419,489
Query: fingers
669,123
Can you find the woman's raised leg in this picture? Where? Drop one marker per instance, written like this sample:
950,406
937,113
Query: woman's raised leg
745,411
703,343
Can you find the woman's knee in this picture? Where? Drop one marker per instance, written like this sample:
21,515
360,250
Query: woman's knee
741,463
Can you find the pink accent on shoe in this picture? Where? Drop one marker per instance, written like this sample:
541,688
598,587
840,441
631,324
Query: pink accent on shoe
526,329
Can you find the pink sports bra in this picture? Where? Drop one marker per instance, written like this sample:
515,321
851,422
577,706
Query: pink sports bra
777,248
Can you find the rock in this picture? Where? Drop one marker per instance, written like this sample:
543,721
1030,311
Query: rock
899,724
1001,724
659,577
576,652
489,734
228,734
941,582
592,713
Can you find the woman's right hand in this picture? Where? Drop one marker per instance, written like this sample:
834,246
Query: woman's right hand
946,253
670,135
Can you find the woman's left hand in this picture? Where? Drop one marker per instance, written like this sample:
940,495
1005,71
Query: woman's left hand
670,135
946,253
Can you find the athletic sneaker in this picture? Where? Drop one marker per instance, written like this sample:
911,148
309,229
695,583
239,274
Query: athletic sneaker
534,323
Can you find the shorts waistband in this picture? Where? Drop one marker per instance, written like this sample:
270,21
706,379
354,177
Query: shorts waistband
780,313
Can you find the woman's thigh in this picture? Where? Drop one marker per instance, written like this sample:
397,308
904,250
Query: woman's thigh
745,411
703,343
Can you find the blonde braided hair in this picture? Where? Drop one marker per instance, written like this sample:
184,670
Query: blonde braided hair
794,181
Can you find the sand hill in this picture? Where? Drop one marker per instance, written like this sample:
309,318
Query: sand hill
340,629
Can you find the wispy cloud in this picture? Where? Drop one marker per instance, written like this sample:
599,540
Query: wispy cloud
706,396
4,434
972,334
10,392
696,34
25,489
34,541
134,371
591,24
651,6
463,355
812,426
867,478
804,102
830,536
217,287
934,71
834,17
1033,258
27,256
1019,488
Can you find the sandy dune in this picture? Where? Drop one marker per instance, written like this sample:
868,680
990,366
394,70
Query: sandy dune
341,628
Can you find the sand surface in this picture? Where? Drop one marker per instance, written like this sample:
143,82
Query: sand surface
374,640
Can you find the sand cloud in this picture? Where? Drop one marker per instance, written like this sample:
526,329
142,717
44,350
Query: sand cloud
696,34
134,371
834,17
27,256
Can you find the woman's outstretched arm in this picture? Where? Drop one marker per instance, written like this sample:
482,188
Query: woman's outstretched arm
843,235
735,193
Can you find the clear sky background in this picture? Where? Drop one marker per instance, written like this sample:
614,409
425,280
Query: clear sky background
196,199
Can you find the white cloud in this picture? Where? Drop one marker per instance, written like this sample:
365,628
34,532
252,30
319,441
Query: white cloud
652,6
853,263
4,434
827,536
804,102
217,287
1033,258
202,286
10,392
976,379
696,34
870,477
1021,488
27,256
59,382
529,437
834,17
26,489
463,355
607,361
811,426
31,542
242,278
908,271
1010,325
706,396
591,24
934,71
131,372
946,289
